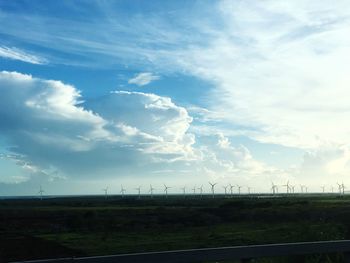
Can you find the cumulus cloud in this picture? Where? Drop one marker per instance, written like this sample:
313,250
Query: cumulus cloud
222,160
50,127
143,79
49,130
18,54
330,163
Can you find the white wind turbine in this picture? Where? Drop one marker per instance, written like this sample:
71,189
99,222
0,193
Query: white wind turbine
122,190
323,188
194,190
231,189
41,191
274,188
343,188
287,187
292,188
249,188
212,185
138,191
339,188
332,189
225,189
151,189
184,191
106,191
200,190
301,188
166,190
239,187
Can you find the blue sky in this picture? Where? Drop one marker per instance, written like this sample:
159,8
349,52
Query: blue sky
98,93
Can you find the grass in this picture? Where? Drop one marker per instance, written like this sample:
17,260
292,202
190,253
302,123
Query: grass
95,226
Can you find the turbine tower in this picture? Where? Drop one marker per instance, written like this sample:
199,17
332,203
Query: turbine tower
339,188
139,191
292,188
41,191
231,189
225,188
239,188
122,190
274,188
323,187
249,188
287,187
212,185
301,188
200,190
151,189
106,191
194,190
184,191
166,190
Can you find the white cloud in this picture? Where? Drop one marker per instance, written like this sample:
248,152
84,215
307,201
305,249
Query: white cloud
143,79
153,123
278,68
51,128
18,54
330,163
235,164
52,132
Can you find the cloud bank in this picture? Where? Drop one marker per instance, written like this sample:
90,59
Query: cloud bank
48,124
48,128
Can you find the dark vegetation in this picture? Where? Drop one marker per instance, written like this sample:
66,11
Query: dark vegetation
84,226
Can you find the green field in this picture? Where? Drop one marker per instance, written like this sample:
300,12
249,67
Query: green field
86,226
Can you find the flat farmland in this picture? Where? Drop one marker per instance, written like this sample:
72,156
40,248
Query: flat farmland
92,225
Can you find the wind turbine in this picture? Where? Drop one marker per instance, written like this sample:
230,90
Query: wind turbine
323,187
231,189
301,188
212,188
225,188
151,189
292,187
274,188
332,189
287,187
343,188
41,191
166,190
339,188
139,191
106,191
201,190
248,188
239,188
184,191
122,190
194,190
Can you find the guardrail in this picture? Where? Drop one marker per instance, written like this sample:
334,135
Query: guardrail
243,253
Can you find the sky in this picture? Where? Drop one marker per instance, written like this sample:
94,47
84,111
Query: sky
133,93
